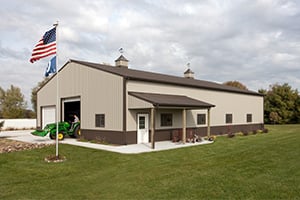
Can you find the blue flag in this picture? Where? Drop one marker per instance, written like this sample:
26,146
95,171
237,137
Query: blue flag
51,69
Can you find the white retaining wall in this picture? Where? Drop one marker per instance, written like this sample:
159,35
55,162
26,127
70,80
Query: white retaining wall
19,123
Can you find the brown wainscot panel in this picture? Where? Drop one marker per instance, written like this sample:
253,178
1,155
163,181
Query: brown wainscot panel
111,137
130,137
220,130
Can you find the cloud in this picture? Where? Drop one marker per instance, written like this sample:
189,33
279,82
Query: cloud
255,42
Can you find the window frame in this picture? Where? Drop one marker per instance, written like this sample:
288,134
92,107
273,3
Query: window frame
249,117
228,118
142,123
164,121
100,120
201,119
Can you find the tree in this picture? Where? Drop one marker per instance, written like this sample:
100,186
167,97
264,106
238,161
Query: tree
29,114
274,117
296,117
2,95
34,92
13,103
236,84
282,104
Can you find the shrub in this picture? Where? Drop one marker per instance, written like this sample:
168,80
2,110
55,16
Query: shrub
212,138
230,135
100,140
1,125
265,130
254,132
245,133
82,139
10,129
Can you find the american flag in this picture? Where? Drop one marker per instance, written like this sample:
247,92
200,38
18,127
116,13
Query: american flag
45,47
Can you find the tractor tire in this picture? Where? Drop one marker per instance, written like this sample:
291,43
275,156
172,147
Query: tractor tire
52,137
61,136
77,132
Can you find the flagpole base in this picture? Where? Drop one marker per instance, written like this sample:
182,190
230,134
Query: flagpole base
55,159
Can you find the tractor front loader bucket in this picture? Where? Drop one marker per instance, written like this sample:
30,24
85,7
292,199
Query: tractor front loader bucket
41,133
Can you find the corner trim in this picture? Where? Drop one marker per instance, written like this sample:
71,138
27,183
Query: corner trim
124,108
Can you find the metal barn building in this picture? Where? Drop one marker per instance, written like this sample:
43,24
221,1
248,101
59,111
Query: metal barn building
126,106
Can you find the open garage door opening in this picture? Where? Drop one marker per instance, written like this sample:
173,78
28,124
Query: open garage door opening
71,108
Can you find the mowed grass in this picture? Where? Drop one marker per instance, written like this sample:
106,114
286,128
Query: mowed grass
262,166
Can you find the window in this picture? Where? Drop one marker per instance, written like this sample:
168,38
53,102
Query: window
201,119
228,118
166,120
142,121
249,117
100,120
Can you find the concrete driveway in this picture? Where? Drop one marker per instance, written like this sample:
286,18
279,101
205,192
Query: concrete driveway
25,136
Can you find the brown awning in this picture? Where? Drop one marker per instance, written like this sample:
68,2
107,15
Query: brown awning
166,100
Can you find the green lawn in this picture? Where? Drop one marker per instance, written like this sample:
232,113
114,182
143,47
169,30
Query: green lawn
262,166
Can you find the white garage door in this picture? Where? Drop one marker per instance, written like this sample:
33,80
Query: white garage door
48,115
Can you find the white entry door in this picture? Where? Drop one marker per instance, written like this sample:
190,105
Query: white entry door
142,128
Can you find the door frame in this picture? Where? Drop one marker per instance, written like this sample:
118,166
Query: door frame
143,134
68,100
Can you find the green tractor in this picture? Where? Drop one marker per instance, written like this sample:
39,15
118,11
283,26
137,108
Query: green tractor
64,128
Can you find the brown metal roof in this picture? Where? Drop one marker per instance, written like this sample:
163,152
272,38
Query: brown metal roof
165,100
162,78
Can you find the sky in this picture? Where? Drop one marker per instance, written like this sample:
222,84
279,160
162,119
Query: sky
255,42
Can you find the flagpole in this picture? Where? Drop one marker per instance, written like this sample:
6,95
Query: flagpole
57,91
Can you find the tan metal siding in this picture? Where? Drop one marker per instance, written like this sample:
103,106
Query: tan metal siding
135,103
100,93
177,118
237,104
46,97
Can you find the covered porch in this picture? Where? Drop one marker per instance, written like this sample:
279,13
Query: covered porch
155,103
